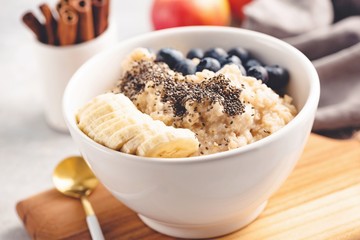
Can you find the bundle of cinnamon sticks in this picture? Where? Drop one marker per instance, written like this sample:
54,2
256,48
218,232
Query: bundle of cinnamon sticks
74,21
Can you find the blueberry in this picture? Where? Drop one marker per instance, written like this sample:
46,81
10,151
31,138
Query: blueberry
278,77
240,52
235,60
208,63
258,72
186,67
252,63
231,60
217,53
195,53
169,56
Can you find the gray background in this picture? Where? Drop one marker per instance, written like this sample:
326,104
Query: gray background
29,149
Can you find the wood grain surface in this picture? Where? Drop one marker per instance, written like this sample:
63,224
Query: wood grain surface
320,200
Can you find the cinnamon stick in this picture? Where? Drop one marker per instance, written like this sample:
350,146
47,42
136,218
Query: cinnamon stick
36,27
67,26
58,7
86,25
61,4
101,15
50,24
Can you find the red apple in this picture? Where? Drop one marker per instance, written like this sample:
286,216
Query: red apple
175,13
237,8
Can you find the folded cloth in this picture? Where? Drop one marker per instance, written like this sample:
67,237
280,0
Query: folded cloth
286,18
328,40
339,105
345,8
335,52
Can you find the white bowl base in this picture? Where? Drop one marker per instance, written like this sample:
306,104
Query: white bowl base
204,231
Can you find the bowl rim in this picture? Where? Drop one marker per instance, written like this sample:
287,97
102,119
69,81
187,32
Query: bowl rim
309,106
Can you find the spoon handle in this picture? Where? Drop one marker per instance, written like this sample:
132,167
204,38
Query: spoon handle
94,227
92,221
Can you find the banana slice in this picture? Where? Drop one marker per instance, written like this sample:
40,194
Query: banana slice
90,116
123,101
98,116
104,121
173,143
84,111
109,103
91,106
116,124
131,146
127,134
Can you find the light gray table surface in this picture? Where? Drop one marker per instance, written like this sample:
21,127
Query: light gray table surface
29,149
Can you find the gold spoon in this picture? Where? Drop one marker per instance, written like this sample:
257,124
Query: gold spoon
73,177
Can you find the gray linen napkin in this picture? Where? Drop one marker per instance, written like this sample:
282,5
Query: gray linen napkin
335,52
286,18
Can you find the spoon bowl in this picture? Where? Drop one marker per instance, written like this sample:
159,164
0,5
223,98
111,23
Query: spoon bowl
74,178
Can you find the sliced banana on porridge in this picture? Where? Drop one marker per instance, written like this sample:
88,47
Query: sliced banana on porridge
113,120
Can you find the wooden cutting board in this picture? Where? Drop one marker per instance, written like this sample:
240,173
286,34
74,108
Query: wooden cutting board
320,200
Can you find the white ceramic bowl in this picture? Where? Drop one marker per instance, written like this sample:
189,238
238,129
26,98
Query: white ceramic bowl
205,196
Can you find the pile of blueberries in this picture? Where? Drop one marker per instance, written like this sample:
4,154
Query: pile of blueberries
214,59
